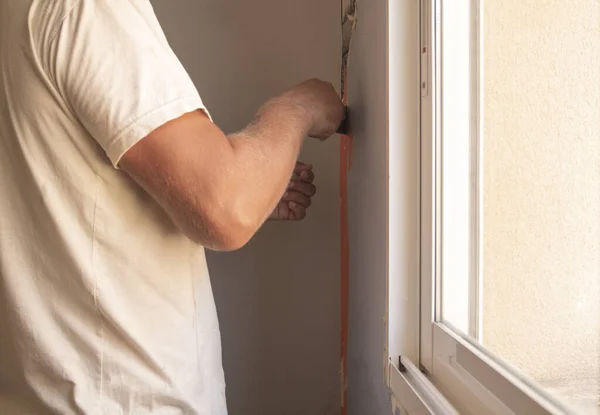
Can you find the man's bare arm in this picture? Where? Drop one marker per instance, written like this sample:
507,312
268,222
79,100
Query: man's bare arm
217,189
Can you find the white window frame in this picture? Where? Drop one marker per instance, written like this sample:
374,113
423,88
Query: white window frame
442,372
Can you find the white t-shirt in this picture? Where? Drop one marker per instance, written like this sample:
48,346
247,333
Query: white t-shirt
105,306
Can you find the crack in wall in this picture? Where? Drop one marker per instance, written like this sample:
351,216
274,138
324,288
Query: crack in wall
348,25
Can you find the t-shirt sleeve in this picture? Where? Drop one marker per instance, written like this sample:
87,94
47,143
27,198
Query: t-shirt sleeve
113,66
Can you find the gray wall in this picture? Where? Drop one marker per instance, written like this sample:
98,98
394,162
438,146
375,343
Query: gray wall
278,298
367,212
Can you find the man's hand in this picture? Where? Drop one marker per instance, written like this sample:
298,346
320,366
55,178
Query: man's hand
321,103
297,197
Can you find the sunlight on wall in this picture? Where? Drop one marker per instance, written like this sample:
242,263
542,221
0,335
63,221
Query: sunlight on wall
542,188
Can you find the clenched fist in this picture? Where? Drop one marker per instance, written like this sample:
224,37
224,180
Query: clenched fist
297,197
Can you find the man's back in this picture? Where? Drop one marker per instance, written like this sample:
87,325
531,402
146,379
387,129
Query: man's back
105,306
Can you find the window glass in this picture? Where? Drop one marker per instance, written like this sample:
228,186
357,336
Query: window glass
521,264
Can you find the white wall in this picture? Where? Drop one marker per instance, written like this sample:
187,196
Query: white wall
367,212
278,298
542,188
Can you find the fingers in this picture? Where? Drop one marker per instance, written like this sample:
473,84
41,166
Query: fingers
304,172
297,198
297,212
307,176
304,187
301,166
300,190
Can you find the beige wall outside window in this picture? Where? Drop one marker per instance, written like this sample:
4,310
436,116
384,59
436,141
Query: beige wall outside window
541,198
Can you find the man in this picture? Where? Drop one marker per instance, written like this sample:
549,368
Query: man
112,179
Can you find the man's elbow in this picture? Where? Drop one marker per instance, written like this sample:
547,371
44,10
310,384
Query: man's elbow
231,239
222,230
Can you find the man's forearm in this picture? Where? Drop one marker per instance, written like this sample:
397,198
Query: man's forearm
265,154
219,190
